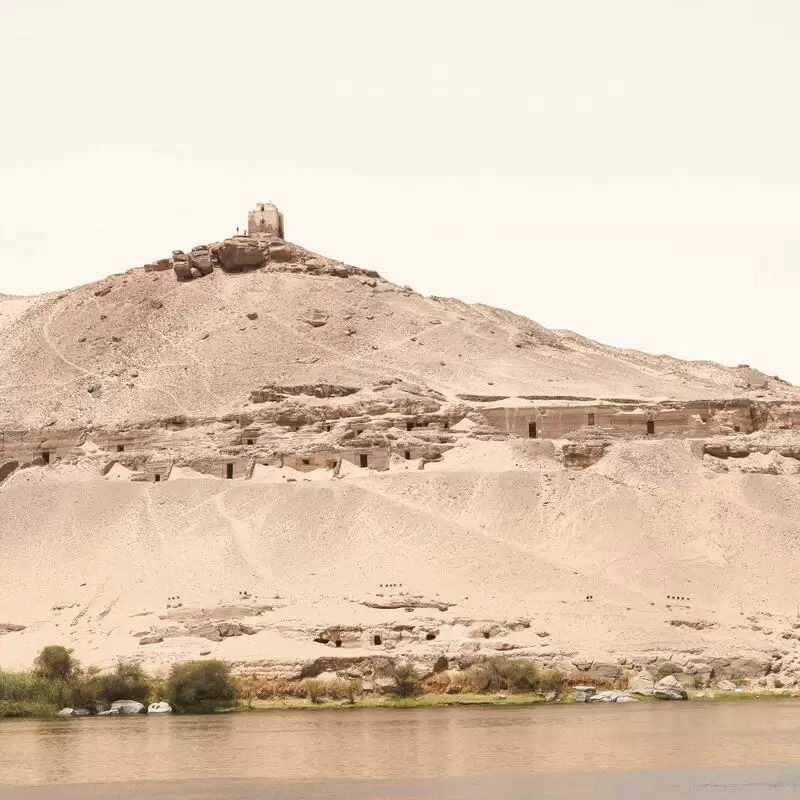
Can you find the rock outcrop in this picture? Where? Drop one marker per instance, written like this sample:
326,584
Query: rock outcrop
669,688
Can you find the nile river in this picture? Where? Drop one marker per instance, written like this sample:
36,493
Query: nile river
648,750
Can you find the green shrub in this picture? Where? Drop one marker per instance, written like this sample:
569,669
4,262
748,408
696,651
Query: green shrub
126,682
511,675
314,689
405,682
200,686
28,694
355,689
552,680
55,662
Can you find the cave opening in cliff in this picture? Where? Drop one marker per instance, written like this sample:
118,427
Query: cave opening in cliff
45,457
156,477
531,430
651,427
363,460
229,471
120,448
376,640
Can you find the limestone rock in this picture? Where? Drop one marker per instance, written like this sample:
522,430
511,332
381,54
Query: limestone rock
127,707
200,258
670,689
158,266
65,712
315,318
9,627
181,265
281,252
159,708
604,697
582,694
239,253
642,684
155,639
726,686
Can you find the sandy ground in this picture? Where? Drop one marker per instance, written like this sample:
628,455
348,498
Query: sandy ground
89,562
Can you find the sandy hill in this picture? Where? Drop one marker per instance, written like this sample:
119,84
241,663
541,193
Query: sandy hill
657,549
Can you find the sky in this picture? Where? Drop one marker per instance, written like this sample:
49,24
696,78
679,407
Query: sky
627,169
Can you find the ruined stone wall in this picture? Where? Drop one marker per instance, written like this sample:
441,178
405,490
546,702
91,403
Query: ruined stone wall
225,467
37,445
377,458
688,420
265,218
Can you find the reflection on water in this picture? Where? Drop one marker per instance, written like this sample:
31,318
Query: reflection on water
458,744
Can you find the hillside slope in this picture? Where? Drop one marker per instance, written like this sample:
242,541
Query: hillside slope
637,551
142,345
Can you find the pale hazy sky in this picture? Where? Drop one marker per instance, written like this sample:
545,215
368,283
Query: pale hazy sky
628,169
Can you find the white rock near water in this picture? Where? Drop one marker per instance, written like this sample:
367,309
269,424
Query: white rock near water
670,689
121,708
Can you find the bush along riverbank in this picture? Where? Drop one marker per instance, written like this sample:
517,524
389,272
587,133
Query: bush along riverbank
58,685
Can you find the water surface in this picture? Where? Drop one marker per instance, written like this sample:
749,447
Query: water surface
655,750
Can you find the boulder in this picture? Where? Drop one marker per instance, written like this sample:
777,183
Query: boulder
280,252
239,253
154,639
74,712
642,684
670,689
743,667
159,708
726,686
158,266
626,698
10,627
128,707
315,318
200,259
582,694
181,265
605,697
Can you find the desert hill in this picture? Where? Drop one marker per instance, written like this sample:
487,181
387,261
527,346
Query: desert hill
256,452
143,345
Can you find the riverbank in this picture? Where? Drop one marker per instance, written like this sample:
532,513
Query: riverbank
388,701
